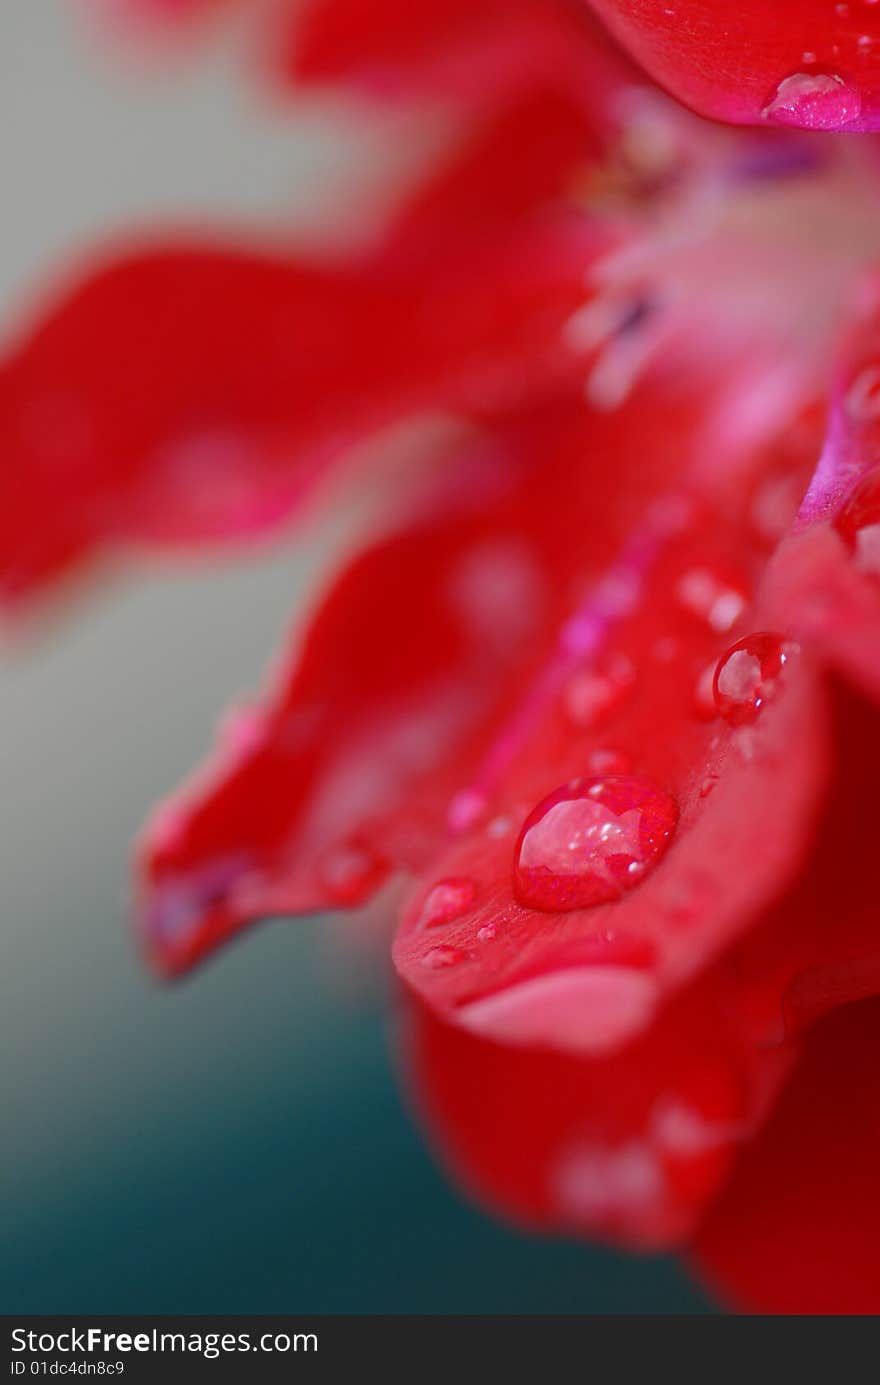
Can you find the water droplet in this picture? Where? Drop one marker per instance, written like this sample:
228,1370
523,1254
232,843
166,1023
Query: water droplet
441,957
445,902
858,522
814,101
577,848
351,872
748,676
591,695
808,58
487,933
863,395
842,9
499,827
710,597
865,42
465,810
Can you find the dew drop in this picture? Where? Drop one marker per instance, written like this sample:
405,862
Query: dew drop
590,841
445,902
711,598
858,522
487,933
814,101
350,872
465,810
748,676
441,957
603,761
499,827
592,695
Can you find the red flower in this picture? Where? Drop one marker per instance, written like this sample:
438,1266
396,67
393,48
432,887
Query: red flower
601,681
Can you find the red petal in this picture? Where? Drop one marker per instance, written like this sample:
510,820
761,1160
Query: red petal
824,584
628,1149
193,395
798,1229
634,1145
451,47
807,63
525,974
416,641
817,948
255,838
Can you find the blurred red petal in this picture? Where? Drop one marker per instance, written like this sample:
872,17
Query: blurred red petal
471,51
193,395
412,660
816,948
825,580
629,1149
805,63
798,1228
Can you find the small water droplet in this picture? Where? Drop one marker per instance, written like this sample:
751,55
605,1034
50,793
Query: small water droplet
576,848
814,101
591,695
438,958
465,810
350,872
865,42
446,901
842,9
499,827
710,597
604,761
487,933
749,675
858,523
808,58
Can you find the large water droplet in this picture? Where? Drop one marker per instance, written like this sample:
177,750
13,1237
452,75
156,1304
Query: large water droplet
590,841
814,101
749,675
445,902
858,522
